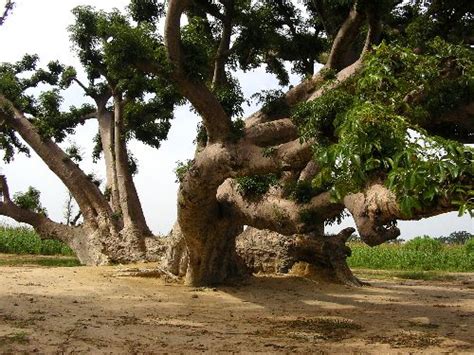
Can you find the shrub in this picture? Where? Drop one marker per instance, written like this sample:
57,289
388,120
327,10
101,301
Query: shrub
469,247
423,244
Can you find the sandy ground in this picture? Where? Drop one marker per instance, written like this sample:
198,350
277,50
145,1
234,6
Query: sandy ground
94,310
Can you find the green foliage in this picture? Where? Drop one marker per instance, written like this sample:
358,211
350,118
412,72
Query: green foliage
182,168
237,129
328,74
422,254
469,246
257,185
369,129
30,200
272,102
198,48
231,98
74,153
452,20
458,237
146,10
300,191
424,244
317,118
111,48
15,81
268,152
272,32
310,217
22,240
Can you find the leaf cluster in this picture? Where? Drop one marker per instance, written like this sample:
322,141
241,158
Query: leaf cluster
370,128
30,200
256,185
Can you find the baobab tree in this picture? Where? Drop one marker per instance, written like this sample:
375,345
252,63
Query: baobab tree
127,104
377,132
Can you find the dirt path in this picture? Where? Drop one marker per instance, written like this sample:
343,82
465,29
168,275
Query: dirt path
91,310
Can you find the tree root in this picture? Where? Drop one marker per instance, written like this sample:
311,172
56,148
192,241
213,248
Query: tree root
156,272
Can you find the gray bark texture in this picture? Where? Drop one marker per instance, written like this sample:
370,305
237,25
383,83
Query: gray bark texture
269,252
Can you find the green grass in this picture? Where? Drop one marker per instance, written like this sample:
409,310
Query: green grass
421,254
23,240
14,338
39,260
406,275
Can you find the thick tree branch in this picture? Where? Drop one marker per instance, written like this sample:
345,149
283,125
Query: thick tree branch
345,37
132,212
281,215
309,172
217,122
250,159
87,116
4,191
220,78
307,90
376,210
85,192
272,133
457,124
46,228
375,29
8,7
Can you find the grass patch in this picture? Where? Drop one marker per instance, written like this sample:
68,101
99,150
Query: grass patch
48,261
418,255
23,240
405,275
14,338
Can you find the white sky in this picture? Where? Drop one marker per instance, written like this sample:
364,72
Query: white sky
40,27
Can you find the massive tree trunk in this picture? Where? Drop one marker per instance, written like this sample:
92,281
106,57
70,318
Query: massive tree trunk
207,229
212,256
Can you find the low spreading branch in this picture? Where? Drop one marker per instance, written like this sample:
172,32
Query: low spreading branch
376,210
46,228
272,133
252,159
281,215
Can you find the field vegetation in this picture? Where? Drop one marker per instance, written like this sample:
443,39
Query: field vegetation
24,240
422,257
419,254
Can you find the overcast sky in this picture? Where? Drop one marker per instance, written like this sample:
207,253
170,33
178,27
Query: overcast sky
40,27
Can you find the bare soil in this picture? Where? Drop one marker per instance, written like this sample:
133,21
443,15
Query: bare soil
98,310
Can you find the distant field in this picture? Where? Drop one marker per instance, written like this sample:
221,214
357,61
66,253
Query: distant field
23,240
421,254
